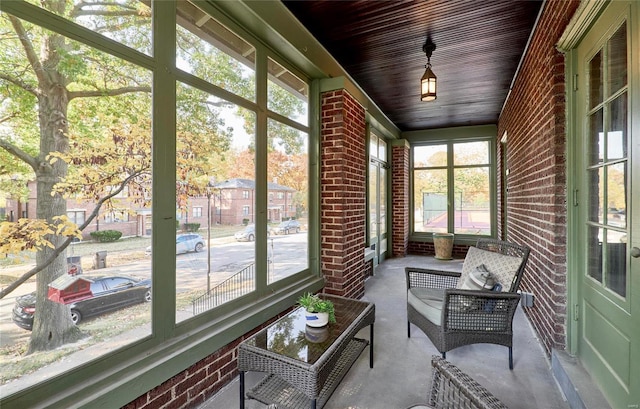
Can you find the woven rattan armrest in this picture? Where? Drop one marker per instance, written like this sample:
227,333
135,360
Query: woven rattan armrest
473,311
427,278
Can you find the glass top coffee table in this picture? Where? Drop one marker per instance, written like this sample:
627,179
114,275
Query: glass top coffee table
305,364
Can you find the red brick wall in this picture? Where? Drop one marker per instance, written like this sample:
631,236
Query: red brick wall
426,248
343,193
194,386
534,120
400,200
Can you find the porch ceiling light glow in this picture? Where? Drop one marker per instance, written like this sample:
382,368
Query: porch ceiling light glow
428,83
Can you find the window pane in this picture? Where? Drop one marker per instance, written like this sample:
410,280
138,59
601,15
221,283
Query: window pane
383,201
208,50
373,145
288,214
126,21
596,133
617,129
616,276
617,195
430,200
288,95
618,59
471,153
428,156
472,201
382,150
594,255
215,171
595,80
373,200
596,194
108,151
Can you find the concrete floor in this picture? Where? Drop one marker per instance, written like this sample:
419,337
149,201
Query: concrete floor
402,372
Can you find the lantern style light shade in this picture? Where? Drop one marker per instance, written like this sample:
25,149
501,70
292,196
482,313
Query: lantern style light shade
429,81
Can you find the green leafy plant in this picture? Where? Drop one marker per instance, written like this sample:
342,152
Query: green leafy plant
313,303
105,236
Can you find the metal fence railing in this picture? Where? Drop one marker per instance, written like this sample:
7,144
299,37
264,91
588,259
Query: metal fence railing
237,285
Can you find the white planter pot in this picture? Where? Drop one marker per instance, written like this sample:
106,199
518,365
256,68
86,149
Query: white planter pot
317,319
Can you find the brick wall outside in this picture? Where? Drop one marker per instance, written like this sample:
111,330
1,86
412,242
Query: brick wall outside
400,200
343,194
534,120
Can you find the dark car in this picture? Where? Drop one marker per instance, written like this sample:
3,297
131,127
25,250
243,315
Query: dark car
288,226
109,293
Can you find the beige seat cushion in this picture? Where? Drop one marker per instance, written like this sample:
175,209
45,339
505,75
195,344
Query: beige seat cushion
503,267
428,302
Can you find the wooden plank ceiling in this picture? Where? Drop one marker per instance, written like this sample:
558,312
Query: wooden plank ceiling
379,43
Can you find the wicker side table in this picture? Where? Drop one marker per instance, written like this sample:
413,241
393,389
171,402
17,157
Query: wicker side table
301,372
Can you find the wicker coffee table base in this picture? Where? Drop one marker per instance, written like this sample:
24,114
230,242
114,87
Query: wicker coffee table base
273,390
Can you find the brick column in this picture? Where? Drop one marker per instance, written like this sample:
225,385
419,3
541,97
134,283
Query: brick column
343,193
400,197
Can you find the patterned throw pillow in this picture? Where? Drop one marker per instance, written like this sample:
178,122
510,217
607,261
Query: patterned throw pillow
503,267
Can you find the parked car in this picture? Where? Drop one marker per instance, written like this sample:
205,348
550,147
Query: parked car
248,233
185,243
287,226
109,293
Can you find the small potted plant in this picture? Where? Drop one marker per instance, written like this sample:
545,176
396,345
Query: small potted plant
319,312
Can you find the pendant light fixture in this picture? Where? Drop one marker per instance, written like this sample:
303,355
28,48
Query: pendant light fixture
428,83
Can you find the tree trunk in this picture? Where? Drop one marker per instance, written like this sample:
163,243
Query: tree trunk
52,326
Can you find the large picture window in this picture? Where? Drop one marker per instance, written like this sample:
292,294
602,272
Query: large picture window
452,188
225,121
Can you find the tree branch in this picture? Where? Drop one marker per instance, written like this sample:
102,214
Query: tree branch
32,56
20,280
78,9
19,153
8,117
107,92
19,83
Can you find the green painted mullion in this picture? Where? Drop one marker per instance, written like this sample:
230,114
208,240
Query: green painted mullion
451,205
164,170
314,177
261,193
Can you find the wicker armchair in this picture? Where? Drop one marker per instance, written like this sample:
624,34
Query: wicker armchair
452,388
453,317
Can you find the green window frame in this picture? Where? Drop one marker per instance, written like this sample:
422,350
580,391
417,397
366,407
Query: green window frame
450,202
172,347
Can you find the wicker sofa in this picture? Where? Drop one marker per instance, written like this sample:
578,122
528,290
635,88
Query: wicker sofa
452,312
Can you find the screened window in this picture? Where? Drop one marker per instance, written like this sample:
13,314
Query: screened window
221,147
103,174
452,187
